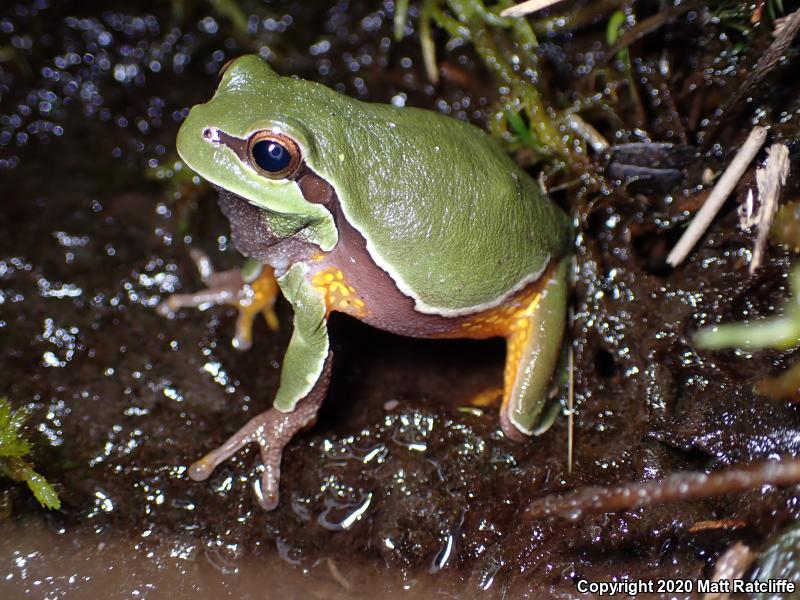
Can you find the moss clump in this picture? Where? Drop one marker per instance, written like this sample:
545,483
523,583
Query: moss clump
13,448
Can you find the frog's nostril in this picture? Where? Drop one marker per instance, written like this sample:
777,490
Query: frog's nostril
211,134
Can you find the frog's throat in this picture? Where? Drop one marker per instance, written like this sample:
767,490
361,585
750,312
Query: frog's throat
269,238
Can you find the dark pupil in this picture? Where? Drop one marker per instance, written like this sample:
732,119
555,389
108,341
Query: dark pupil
271,156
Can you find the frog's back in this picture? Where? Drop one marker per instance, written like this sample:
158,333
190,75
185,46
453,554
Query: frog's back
456,223
452,219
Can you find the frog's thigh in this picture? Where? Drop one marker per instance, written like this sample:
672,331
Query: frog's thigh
533,350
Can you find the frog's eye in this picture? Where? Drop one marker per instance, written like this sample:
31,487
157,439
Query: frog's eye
273,154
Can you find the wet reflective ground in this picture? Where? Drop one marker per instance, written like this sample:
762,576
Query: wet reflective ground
402,488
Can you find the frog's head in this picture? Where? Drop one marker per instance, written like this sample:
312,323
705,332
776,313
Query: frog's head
250,141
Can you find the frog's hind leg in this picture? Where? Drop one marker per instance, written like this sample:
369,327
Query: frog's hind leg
251,290
533,350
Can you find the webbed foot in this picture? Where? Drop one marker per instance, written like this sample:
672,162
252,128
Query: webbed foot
251,290
272,430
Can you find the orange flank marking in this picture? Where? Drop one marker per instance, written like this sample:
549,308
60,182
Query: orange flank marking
518,337
511,321
339,295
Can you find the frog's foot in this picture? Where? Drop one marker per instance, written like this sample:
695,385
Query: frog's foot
489,397
249,295
272,431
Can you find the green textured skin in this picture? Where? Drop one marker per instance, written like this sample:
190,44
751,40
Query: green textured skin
308,348
455,222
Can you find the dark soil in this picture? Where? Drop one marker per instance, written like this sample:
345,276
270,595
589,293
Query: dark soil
399,488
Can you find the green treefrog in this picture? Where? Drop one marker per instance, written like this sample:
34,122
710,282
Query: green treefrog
408,220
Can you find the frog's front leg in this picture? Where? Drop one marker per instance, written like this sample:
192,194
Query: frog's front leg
251,290
533,350
303,385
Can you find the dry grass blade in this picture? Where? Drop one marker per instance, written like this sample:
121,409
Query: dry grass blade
769,179
337,575
715,525
528,7
718,195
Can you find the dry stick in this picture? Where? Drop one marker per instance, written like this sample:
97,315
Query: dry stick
769,180
716,524
640,30
731,565
589,134
571,408
718,195
786,28
680,486
337,575
528,7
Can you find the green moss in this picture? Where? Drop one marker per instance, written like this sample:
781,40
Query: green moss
13,449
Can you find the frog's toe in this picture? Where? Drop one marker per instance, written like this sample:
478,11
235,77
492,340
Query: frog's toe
272,431
202,469
252,290
243,338
488,397
268,486
255,298
203,263
201,299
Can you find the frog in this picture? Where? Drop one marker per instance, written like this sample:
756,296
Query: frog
409,220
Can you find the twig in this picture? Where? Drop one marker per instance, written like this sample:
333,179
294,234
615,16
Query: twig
527,7
714,525
769,179
731,565
786,28
649,25
718,195
589,134
571,409
337,575
680,486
